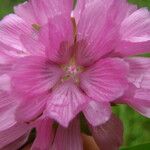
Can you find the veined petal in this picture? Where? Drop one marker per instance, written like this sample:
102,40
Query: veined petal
101,110
5,83
109,135
137,95
122,6
33,45
141,102
106,80
49,9
29,11
39,6
82,4
26,12
5,68
35,75
12,134
65,103
135,33
142,28
30,108
44,136
68,138
7,110
96,35
5,63
11,27
59,39
79,7
4,59
17,143
138,99
139,71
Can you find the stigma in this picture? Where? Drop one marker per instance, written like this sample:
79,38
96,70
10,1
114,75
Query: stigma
72,71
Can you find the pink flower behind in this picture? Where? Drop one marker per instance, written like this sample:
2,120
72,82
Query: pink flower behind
59,69
12,133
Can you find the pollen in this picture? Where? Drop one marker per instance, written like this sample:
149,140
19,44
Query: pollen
72,71
36,27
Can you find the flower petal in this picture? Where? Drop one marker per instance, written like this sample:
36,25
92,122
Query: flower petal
12,134
106,80
77,11
44,136
68,138
5,68
139,72
7,111
82,4
138,99
109,135
137,95
11,27
122,6
35,75
33,45
96,34
65,103
58,39
39,6
17,143
101,110
30,108
137,30
135,37
5,83
5,64
26,12
141,102
49,9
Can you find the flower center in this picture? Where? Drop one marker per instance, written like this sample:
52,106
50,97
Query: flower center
72,71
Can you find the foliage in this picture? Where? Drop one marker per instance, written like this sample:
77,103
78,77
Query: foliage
141,3
6,6
139,147
136,127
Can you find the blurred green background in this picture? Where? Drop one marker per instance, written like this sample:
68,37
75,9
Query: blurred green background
137,128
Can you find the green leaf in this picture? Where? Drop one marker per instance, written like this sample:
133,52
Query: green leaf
139,147
141,3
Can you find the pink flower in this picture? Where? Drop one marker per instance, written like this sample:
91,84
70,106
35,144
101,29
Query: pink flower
59,68
12,133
